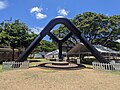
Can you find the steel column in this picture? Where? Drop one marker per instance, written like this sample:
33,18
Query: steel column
60,50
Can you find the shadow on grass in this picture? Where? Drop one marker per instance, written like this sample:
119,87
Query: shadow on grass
87,62
0,66
34,61
1,62
44,66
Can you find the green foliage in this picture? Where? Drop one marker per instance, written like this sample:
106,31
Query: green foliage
46,46
118,46
97,28
114,27
92,25
0,68
16,34
61,32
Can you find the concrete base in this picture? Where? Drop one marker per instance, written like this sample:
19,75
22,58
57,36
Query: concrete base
60,63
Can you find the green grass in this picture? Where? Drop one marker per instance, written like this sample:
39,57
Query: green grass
38,60
116,72
112,72
0,67
35,62
106,71
49,71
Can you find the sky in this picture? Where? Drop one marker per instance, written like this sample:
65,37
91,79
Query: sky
37,13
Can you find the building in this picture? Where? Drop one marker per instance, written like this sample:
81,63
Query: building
83,53
6,54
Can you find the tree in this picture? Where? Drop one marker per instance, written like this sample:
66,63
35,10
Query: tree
97,28
15,33
93,26
3,34
114,32
46,46
114,27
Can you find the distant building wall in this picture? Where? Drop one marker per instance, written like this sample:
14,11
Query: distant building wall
6,54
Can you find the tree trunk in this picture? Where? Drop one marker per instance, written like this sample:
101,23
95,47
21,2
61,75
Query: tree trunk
13,53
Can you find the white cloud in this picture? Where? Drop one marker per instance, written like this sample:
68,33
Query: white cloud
38,13
36,9
40,16
37,30
59,17
3,5
63,12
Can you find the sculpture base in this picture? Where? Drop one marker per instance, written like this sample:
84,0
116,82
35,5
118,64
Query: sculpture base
60,63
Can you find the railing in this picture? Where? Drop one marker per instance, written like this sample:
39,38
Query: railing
106,66
15,65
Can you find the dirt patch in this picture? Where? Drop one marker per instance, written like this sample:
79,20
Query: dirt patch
48,79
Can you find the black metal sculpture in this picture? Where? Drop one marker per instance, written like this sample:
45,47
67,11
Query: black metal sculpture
74,31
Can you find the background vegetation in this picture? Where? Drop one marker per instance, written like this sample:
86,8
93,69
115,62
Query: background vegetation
17,35
97,28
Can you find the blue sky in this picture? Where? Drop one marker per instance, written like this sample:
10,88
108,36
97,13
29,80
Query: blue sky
37,13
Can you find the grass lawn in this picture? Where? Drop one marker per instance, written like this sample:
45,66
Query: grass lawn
49,79
38,60
35,62
113,72
0,67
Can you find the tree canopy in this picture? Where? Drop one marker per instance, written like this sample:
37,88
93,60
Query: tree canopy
46,46
97,28
17,34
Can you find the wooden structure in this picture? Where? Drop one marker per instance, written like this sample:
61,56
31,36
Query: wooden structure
6,54
81,51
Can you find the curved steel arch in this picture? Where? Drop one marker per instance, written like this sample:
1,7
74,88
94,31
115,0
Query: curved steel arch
74,31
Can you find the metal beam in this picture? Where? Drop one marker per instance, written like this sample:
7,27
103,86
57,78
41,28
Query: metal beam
67,36
72,28
53,37
59,44
60,50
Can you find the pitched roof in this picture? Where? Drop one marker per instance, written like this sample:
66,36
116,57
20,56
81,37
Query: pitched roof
82,48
